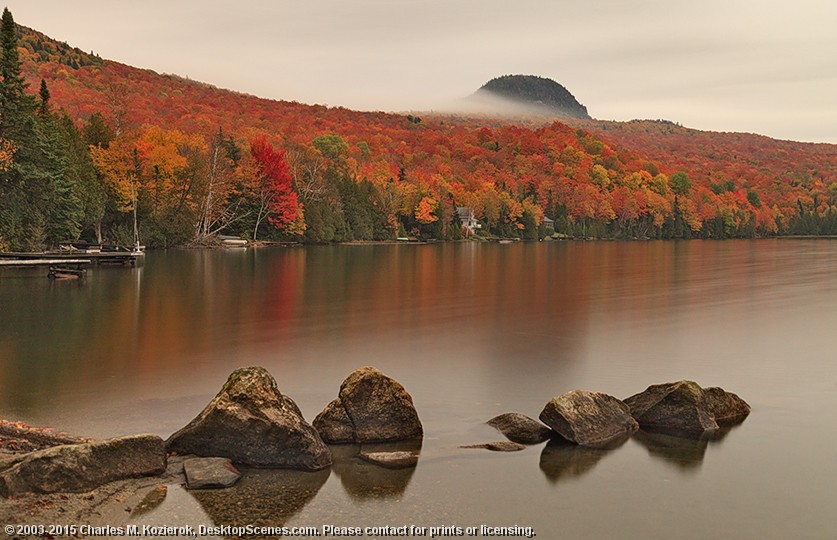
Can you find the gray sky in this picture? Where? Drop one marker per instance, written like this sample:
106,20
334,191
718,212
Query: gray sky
761,66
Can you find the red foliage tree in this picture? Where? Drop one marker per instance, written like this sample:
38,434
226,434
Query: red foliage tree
274,195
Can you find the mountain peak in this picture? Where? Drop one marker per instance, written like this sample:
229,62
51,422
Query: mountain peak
532,94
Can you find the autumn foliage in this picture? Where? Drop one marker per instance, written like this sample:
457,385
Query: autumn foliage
328,174
272,184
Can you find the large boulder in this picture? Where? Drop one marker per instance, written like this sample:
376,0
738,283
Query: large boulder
252,423
77,468
727,408
678,408
520,428
370,407
588,418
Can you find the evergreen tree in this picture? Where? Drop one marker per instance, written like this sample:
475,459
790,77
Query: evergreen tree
88,188
43,107
12,86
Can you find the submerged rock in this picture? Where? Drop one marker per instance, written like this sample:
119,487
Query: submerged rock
520,428
678,408
588,418
727,408
498,446
76,468
370,407
251,422
391,460
213,472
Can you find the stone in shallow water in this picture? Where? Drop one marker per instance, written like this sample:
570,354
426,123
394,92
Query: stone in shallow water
370,407
214,472
251,422
727,408
676,408
391,460
498,446
588,418
520,428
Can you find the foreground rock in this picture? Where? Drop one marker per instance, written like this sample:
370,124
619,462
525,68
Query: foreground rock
677,408
370,407
727,408
252,423
214,472
520,428
588,418
498,446
78,468
391,460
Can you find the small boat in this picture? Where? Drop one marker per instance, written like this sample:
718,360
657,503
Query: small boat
232,241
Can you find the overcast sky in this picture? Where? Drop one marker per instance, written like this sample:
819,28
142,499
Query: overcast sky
759,66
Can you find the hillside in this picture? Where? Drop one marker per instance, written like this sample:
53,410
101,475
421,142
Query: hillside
529,94
189,149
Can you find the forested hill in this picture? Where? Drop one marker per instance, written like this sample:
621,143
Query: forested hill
538,94
100,138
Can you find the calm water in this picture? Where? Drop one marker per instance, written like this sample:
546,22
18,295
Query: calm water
471,331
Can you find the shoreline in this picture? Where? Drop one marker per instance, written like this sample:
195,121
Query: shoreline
111,504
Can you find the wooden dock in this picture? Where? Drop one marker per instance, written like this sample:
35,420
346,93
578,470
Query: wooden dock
125,258
58,268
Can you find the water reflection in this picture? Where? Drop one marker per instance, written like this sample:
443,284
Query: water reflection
261,497
364,480
563,460
685,451
150,502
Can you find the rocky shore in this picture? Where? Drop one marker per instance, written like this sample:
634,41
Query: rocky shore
50,477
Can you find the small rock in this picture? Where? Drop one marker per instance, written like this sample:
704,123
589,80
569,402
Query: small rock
370,407
391,460
76,468
498,446
520,428
251,422
676,408
588,418
213,472
726,407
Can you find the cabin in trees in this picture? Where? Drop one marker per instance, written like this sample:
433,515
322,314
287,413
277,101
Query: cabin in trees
467,218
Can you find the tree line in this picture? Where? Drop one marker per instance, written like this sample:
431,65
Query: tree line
329,175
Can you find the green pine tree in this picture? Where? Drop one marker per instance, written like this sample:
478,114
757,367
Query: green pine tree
12,86
43,93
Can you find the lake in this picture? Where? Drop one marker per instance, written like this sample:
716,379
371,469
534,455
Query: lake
471,330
